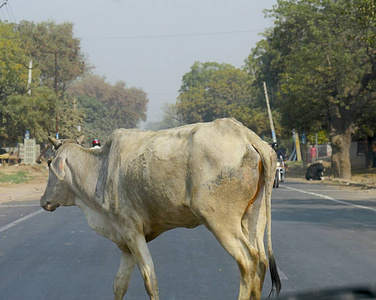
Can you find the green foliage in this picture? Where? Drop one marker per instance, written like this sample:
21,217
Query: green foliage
19,110
107,107
127,105
69,119
13,74
263,65
326,75
55,51
326,66
16,178
212,90
200,74
322,138
57,63
364,18
98,122
33,112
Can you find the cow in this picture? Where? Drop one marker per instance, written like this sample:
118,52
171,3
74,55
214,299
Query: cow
142,183
315,171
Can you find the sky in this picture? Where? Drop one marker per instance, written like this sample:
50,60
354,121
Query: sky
151,44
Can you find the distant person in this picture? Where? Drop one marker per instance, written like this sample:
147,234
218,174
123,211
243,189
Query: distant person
280,154
312,153
96,144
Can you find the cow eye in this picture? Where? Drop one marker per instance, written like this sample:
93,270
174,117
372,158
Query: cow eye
49,162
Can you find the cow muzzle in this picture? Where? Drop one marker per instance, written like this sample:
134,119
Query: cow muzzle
49,207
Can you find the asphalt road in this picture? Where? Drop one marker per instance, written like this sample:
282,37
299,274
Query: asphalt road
322,237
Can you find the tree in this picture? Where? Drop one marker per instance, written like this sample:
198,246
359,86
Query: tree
55,51
212,90
13,74
92,86
97,122
108,107
127,105
35,113
170,119
326,69
262,65
70,119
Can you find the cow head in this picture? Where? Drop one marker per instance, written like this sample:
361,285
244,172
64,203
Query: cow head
57,191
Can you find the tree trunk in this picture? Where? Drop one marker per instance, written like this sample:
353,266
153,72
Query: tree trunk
342,128
341,165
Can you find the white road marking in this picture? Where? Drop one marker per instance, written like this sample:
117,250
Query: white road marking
334,191
330,198
19,205
282,275
5,227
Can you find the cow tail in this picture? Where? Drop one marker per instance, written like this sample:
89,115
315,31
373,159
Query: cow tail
269,167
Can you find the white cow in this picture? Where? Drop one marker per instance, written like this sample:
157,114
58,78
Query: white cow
140,184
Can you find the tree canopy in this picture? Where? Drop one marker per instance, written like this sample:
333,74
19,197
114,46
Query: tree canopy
211,90
107,106
55,51
92,105
13,73
322,63
34,112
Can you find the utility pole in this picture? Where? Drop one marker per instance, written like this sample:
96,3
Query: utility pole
56,92
30,74
56,73
270,114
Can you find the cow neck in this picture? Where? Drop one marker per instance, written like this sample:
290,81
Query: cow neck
85,175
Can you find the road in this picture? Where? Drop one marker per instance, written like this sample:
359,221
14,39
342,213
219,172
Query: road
322,237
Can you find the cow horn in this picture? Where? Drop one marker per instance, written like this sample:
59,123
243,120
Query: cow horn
57,143
80,139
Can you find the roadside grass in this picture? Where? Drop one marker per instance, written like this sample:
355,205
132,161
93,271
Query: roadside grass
18,177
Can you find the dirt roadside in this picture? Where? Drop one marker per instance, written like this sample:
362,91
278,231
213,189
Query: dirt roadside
32,190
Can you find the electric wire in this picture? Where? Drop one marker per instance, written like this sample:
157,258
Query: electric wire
170,35
11,11
2,11
9,15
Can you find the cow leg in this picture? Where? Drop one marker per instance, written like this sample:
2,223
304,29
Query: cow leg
123,275
141,255
221,208
237,245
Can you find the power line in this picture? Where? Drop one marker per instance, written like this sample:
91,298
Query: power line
1,5
10,17
11,11
2,11
170,35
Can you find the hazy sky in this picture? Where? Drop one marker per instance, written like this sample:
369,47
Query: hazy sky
152,44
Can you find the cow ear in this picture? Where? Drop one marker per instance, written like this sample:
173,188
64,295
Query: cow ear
57,166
